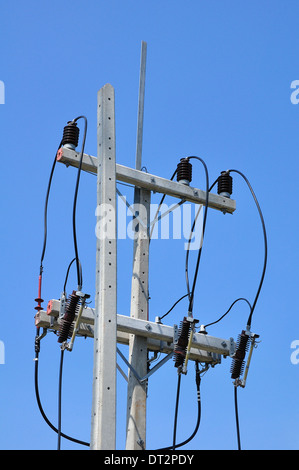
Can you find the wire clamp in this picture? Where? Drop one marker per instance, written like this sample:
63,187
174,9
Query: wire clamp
37,341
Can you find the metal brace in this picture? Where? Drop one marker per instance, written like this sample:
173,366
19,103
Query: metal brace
141,380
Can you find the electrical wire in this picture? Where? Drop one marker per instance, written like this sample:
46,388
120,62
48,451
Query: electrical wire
36,386
191,293
265,244
187,252
67,274
186,441
79,273
176,410
174,305
258,290
159,207
80,282
189,241
237,417
59,400
46,210
237,300
79,269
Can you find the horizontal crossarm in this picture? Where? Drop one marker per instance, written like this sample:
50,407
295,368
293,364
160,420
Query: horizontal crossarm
148,181
157,332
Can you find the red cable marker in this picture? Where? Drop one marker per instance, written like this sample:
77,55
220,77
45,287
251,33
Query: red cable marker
39,300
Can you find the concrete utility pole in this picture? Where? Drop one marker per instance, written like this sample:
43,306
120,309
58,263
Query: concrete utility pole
136,398
138,355
103,323
103,423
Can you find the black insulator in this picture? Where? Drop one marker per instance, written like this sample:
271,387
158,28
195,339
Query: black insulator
225,184
184,171
68,318
70,134
237,366
181,346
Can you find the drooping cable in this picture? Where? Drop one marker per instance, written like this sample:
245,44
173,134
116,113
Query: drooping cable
179,351
237,417
79,269
46,210
174,305
231,306
36,386
60,400
188,250
68,133
265,244
238,361
67,275
189,241
191,293
39,300
159,207
176,411
189,439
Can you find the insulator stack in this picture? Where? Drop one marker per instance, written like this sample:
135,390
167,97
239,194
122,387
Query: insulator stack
181,346
225,184
237,366
184,171
68,318
70,135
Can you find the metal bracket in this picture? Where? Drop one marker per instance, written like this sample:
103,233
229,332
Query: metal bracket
141,380
232,347
62,305
216,359
175,334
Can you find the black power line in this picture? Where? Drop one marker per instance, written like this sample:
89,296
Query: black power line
69,132
189,439
191,293
37,394
265,244
79,269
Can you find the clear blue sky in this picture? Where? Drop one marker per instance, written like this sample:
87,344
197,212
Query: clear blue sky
217,86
